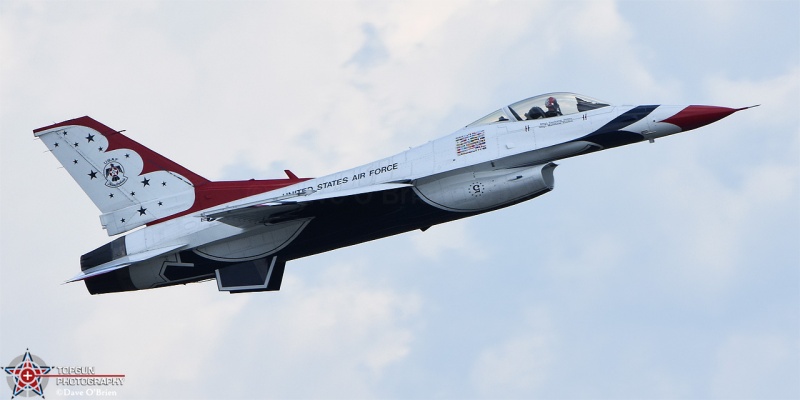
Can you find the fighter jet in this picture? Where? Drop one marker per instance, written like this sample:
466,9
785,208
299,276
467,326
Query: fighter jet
184,228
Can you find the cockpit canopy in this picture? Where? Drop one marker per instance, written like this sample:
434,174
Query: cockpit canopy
543,106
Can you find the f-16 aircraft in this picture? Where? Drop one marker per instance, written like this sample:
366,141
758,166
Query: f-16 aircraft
242,233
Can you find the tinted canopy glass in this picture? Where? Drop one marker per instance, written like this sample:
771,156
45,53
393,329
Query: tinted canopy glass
553,105
542,106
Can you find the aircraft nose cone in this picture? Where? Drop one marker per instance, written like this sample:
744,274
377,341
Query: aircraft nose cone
693,117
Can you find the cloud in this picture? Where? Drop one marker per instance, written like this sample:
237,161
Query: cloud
446,239
372,52
754,366
341,330
721,218
162,327
519,364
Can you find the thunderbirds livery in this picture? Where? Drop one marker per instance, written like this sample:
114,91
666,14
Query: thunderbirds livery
242,233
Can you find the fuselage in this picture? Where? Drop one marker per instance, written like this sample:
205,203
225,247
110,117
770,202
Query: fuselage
502,159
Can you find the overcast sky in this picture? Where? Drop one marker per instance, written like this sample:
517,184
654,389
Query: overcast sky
665,270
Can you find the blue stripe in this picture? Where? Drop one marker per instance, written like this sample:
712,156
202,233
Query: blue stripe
613,134
627,118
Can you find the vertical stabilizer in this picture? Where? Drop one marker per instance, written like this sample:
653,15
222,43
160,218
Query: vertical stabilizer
130,184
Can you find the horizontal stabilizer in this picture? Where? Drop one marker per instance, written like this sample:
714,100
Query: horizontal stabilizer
122,262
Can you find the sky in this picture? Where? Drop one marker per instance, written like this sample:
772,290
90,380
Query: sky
664,270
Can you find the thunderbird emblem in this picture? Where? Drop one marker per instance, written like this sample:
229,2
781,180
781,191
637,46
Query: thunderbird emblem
114,174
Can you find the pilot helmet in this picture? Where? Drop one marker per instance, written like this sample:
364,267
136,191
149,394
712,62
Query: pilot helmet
551,103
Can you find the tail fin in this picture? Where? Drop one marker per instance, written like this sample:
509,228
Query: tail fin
130,184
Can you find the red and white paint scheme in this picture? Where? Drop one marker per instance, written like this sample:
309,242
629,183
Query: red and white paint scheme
242,233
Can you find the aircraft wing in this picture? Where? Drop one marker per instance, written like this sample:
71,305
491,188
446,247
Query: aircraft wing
283,208
249,215
122,262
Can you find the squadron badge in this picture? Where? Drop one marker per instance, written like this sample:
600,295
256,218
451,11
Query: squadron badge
114,173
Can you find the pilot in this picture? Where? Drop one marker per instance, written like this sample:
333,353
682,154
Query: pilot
553,109
534,113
